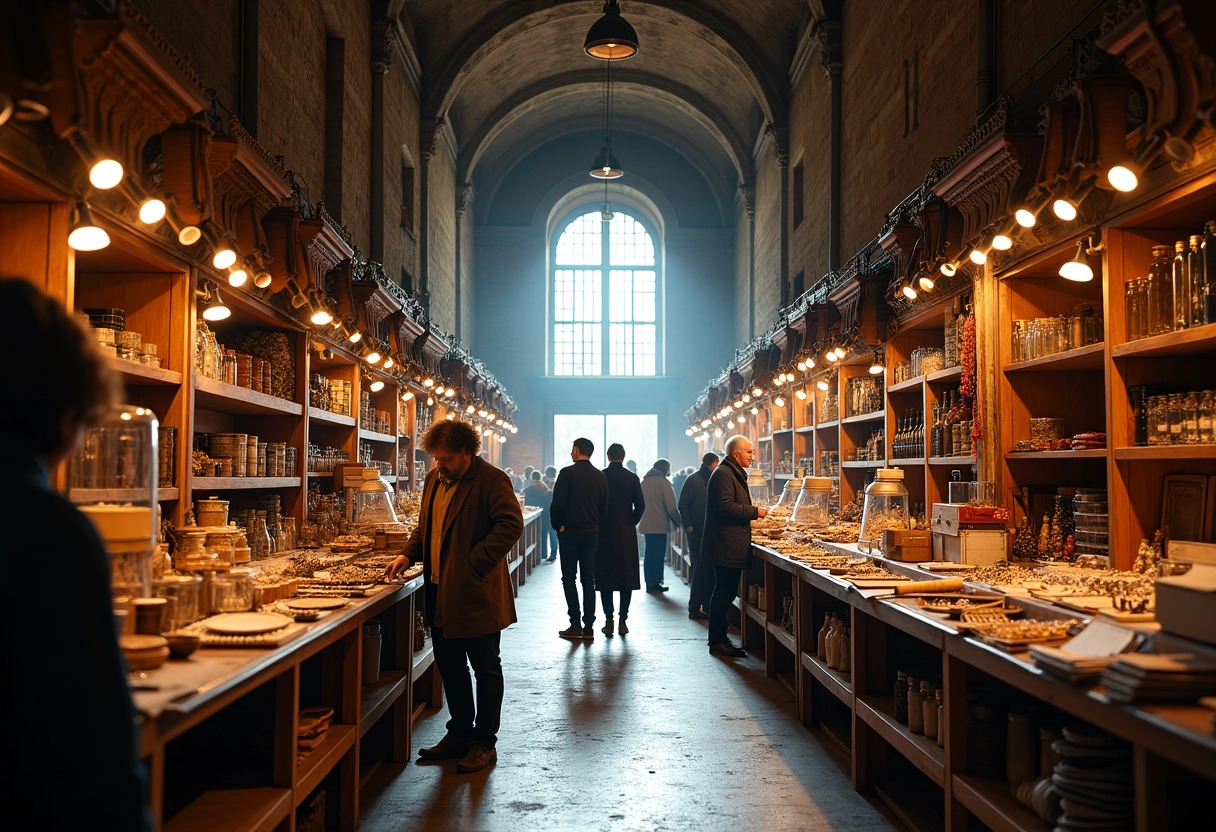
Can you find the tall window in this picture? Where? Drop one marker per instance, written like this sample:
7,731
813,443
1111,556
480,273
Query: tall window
584,343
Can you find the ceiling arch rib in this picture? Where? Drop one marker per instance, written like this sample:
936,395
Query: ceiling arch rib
539,105
685,18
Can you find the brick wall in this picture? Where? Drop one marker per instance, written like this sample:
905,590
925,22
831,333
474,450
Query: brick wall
208,36
880,165
810,144
441,270
768,238
742,264
356,122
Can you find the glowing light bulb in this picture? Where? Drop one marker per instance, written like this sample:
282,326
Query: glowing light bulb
223,258
373,357
1122,178
189,235
407,395
237,278
376,386
1002,242
152,211
321,317
948,269
1025,217
801,394
105,174
355,337
1064,209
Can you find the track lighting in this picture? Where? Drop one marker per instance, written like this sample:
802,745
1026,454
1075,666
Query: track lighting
688,431
780,402
428,382
705,423
908,291
213,307
1078,269
376,386
840,352
822,384
262,279
372,357
451,391
187,234
237,277
1027,215
430,401
830,356
320,314
388,363
355,336
105,174
948,269
1002,242
741,419
223,257
876,365
86,235
978,256
757,392
926,282
469,409
747,397
755,411
801,394
1064,209
407,395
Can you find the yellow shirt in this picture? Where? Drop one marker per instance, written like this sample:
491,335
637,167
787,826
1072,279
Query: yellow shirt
439,509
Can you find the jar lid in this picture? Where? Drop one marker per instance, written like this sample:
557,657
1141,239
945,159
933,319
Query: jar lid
794,484
818,483
890,474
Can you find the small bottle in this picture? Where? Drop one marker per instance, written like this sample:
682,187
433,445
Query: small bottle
1208,254
916,710
1175,416
844,659
832,644
1160,292
901,696
1207,418
1196,281
1180,279
941,721
1190,419
821,639
929,709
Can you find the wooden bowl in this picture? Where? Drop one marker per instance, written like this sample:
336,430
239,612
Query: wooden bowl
182,645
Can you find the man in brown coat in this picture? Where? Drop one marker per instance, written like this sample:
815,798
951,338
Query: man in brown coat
469,522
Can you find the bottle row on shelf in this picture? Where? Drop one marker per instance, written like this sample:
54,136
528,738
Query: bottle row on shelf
1179,291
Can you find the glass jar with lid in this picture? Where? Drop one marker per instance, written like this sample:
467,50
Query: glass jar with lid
885,507
813,501
757,486
374,499
232,591
789,497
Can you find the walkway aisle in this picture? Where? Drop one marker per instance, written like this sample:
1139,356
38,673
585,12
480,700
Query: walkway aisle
645,731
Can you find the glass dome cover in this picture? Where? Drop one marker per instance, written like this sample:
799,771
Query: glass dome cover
374,500
885,507
813,501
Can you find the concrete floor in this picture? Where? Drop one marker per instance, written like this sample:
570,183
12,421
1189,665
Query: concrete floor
639,732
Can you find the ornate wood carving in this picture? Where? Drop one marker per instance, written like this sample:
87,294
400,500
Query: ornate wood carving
1162,44
186,177
247,184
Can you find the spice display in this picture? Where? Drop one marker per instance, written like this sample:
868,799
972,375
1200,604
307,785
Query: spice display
275,349
1180,419
865,395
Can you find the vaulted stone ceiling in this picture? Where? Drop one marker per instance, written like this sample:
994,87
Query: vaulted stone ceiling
508,75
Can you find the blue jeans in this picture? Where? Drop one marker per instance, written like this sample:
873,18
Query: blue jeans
726,587
474,718
578,562
656,555
550,539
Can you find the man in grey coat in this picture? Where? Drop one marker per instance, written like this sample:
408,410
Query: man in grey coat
726,542
661,513
692,515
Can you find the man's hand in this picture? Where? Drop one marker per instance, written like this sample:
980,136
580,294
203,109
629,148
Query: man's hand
399,565
763,511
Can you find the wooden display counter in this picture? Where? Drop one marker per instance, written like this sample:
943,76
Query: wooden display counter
225,755
1173,747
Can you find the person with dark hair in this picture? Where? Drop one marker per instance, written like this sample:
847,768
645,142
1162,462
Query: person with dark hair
547,531
616,556
68,758
726,540
661,514
580,503
537,494
692,515
469,522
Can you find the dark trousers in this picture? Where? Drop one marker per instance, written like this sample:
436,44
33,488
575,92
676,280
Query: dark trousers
578,563
656,554
726,587
477,719
606,601
701,576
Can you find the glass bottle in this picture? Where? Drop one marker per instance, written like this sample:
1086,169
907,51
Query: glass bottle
1195,281
901,696
1175,419
1208,255
916,710
821,639
1160,292
829,643
844,660
1180,279
1207,417
1158,422
1131,308
1190,419
929,709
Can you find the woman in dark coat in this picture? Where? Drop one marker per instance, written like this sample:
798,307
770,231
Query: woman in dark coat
616,556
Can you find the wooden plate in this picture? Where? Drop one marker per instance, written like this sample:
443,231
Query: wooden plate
315,603
246,623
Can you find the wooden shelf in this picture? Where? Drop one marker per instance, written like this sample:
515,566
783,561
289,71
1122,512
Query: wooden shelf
120,495
828,425
990,802
141,375
863,463
338,741
805,429
899,462
948,374
1167,452
910,384
243,483
922,752
1087,453
1184,342
783,636
952,460
783,431
756,615
768,438
1082,358
378,698
316,414
234,810
422,660
320,474
839,684
873,416
376,437
210,394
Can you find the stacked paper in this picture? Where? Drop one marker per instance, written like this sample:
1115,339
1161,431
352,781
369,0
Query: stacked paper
1159,677
1082,659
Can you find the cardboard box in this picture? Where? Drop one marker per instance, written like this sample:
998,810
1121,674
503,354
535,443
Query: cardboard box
908,545
1186,604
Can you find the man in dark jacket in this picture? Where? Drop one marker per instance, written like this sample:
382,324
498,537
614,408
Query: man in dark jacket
692,515
547,531
726,541
469,522
616,556
538,495
580,502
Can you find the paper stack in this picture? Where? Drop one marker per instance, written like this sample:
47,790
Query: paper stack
1081,659
1159,677
311,730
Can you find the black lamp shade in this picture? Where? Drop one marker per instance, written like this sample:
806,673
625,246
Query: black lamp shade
606,165
611,38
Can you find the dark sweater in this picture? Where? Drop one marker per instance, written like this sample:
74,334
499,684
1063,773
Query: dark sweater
580,499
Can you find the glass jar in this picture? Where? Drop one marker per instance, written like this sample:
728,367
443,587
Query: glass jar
916,706
1190,419
1160,293
901,696
929,709
885,507
788,499
1175,419
232,591
1133,307
374,499
813,502
757,486
1207,417
184,590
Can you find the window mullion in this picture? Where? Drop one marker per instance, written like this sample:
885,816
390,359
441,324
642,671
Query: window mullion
605,302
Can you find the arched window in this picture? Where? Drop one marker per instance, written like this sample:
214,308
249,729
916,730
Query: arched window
583,342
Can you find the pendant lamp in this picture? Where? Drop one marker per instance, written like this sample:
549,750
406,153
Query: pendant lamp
611,38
